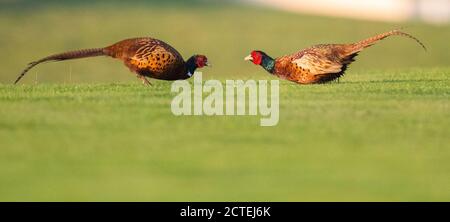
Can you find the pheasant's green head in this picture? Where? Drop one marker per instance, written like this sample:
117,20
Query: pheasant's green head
201,61
196,61
262,59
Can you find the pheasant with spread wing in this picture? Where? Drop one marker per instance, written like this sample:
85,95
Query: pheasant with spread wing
147,57
319,63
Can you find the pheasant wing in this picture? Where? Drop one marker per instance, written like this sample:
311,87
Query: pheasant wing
155,56
317,64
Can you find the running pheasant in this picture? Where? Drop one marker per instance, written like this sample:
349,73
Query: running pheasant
319,63
147,57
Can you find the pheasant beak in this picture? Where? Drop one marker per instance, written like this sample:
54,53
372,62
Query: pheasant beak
208,64
248,58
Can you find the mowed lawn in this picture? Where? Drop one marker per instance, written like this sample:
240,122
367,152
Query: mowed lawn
87,130
377,136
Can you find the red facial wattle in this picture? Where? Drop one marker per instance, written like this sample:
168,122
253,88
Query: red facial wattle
201,62
257,58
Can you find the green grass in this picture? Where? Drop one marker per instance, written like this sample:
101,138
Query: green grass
89,131
376,136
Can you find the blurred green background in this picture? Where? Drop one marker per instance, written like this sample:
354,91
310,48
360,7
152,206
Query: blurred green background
88,131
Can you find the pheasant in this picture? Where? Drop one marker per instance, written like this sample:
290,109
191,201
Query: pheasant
320,63
147,57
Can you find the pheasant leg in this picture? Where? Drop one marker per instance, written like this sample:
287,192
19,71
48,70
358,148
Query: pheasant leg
144,80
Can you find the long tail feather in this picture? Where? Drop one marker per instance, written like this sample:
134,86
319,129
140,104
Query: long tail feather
357,47
84,53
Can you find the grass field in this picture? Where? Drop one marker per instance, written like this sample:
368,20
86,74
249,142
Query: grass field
377,136
88,131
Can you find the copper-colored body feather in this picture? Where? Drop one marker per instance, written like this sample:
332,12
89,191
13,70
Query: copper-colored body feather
327,62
